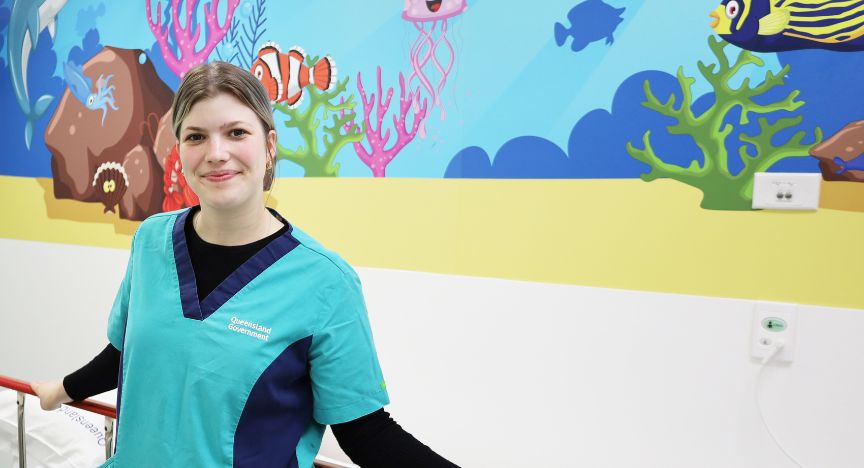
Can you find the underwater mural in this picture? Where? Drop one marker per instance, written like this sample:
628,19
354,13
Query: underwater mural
590,21
82,140
26,21
178,41
316,151
273,69
778,25
709,129
606,95
377,158
426,16
841,157
80,86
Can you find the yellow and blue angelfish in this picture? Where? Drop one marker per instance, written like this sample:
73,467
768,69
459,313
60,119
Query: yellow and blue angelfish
778,25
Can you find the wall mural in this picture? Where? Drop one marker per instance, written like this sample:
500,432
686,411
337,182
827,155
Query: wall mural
575,90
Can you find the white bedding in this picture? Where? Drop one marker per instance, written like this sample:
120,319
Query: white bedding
67,437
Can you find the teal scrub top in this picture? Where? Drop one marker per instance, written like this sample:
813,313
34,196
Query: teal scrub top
251,374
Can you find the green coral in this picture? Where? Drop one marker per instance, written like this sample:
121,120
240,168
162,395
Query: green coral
722,190
316,154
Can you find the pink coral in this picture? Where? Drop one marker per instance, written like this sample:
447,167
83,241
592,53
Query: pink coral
378,158
184,38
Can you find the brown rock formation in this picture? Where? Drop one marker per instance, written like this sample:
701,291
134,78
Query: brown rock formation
80,143
144,195
847,144
165,139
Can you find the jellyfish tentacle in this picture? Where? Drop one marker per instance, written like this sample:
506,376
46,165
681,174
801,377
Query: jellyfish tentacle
449,69
445,71
426,43
434,94
419,64
428,46
412,56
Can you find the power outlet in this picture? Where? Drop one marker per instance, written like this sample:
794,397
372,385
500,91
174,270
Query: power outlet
786,191
773,323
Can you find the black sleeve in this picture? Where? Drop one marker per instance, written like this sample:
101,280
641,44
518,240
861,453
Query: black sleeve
98,376
377,441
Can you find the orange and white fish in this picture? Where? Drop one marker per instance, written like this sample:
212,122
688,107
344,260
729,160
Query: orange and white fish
285,75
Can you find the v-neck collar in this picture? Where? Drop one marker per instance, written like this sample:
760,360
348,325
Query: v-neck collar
237,280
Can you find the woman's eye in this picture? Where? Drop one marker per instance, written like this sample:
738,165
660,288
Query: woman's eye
194,137
237,132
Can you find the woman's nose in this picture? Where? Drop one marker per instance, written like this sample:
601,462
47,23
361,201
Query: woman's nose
217,150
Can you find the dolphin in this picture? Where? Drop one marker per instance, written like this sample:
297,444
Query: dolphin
28,19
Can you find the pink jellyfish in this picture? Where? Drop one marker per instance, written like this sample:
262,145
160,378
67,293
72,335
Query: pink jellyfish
425,47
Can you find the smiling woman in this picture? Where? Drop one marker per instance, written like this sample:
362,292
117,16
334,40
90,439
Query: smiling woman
227,136
238,341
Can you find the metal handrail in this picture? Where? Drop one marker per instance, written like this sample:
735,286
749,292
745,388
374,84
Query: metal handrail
109,411
23,388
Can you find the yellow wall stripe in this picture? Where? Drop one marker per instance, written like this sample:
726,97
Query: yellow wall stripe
624,234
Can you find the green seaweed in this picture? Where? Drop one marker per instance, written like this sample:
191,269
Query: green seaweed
721,190
316,154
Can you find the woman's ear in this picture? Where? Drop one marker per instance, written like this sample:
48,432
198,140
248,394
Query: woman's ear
271,145
270,173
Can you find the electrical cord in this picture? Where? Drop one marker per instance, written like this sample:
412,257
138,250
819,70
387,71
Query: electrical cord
778,346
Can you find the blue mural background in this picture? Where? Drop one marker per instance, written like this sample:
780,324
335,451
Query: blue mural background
518,105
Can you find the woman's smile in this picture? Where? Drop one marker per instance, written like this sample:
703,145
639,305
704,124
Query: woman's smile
220,176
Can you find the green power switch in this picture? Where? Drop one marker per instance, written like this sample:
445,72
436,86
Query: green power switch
774,324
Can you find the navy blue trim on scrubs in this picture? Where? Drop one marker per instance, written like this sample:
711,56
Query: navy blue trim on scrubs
236,281
119,397
277,411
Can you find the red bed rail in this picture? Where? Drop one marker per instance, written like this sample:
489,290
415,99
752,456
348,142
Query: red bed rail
88,405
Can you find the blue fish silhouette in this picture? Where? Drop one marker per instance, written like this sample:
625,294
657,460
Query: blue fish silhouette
590,21
780,25
856,164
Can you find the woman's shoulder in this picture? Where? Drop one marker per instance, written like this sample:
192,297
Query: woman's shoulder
157,225
154,222
328,259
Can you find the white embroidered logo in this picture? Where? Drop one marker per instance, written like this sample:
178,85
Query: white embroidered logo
244,327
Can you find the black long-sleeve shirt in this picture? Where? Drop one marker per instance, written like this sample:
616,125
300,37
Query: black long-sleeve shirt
374,440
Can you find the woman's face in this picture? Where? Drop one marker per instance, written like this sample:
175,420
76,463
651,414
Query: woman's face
224,151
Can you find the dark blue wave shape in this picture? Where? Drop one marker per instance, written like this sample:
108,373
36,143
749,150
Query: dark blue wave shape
828,82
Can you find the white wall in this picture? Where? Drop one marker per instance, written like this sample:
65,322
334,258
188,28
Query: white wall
513,374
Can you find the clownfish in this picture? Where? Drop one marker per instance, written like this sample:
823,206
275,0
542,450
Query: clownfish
285,75
779,25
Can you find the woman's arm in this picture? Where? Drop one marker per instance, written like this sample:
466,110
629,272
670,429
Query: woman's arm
377,441
97,376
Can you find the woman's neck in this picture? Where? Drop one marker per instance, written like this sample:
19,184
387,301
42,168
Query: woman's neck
237,227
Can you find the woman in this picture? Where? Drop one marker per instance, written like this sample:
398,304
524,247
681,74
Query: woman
235,336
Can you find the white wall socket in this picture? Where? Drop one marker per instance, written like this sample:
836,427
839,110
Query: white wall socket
774,322
786,191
